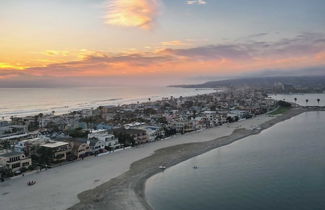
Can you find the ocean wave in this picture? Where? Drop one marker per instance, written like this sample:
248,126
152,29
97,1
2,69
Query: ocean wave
105,100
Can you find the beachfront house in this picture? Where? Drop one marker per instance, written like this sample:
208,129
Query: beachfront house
15,161
212,117
153,132
79,147
138,136
183,126
96,145
105,137
98,134
26,144
112,142
59,150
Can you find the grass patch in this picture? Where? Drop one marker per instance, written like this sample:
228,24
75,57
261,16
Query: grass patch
280,110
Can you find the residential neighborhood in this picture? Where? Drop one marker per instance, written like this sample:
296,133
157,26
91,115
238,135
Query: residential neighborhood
49,140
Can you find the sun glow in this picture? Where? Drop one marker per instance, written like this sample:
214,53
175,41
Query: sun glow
132,13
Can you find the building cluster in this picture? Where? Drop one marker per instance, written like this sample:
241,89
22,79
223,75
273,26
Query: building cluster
45,140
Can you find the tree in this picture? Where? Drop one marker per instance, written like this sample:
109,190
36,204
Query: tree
318,100
284,104
194,114
307,101
6,144
7,172
78,133
45,156
52,126
230,119
125,139
149,111
169,131
295,100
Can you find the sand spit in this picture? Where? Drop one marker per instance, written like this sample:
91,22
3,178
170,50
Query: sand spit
127,190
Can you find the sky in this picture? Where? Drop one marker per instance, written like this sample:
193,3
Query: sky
117,42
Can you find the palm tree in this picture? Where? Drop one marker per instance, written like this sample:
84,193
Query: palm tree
295,100
149,99
307,101
318,100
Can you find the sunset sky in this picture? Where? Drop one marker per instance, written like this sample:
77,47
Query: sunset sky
109,42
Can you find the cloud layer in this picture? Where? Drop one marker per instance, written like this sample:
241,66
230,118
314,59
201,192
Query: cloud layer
303,51
132,13
196,2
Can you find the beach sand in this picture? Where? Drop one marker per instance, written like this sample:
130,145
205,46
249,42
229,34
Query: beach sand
116,181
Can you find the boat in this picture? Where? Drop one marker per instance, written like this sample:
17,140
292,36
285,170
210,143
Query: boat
162,167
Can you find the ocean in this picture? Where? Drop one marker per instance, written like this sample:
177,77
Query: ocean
31,101
281,168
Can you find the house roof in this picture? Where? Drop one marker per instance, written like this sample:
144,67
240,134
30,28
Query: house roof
78,140
10,154
129,131
54,144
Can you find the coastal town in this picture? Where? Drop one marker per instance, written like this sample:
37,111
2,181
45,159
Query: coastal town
40,142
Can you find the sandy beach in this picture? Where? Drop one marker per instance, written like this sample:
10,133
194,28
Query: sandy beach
116,181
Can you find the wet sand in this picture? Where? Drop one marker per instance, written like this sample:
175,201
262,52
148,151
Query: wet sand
127,190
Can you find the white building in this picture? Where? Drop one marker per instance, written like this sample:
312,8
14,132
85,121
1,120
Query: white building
109,139
96,145
22,145
153,132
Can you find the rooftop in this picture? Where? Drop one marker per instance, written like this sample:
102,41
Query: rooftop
10,154
54,144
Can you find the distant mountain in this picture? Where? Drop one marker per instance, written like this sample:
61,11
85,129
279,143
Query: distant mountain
302,84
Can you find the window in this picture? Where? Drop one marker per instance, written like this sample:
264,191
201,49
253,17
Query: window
14,159
16,165
25,164
59,156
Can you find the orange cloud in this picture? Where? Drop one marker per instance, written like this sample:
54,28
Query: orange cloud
132,13
174,43
292,53
11,66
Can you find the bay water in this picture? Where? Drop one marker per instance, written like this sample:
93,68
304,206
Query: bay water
281,168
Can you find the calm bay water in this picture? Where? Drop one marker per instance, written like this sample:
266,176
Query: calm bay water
31,101
282,168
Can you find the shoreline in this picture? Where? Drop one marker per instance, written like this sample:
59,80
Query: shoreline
66,107
127,191
50,192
